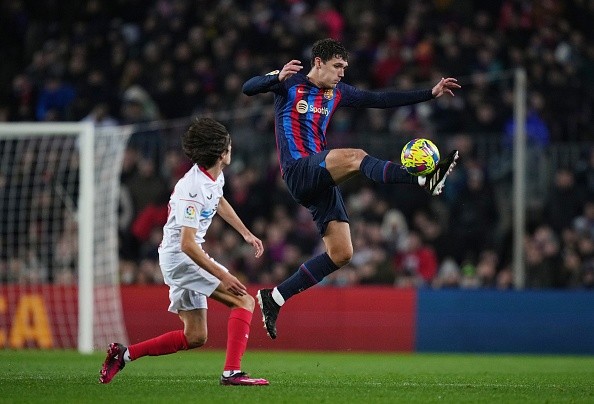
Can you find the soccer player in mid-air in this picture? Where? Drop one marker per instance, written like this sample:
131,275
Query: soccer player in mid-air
190,273
303,106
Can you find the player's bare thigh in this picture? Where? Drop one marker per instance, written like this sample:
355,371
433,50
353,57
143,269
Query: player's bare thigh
344,163
337,240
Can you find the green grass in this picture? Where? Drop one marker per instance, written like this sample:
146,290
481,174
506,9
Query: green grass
67,377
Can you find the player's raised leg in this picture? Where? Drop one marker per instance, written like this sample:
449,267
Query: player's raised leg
337,239
343,164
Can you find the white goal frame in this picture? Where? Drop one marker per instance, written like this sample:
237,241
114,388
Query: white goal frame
85,213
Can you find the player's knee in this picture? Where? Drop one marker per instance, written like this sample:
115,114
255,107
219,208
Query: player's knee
195,338
341,256
247,302
355,156
343,259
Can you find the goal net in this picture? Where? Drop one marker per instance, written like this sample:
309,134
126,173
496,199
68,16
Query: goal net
59,190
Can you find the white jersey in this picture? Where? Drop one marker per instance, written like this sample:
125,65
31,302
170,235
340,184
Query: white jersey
193,203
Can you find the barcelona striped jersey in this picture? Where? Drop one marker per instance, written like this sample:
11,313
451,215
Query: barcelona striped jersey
303,110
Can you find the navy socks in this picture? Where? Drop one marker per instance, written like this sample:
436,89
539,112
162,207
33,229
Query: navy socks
385,172
309,273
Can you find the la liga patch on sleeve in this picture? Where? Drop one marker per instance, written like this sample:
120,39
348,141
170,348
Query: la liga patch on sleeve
190,212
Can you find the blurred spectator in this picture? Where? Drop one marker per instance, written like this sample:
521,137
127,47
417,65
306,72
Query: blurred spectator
570,274
585,172
505,280
565,200
330,19
433,233
537,131
21,99
152,216
66,258
588,275
248,194
55,99
276,243
542,259
469,278
584,223
472,212
138,109
416,265
149,272
486,269
145,186
448,275
394,229
100,116
484,118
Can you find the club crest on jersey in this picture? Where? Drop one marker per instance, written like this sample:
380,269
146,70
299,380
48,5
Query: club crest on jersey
328,94
190,213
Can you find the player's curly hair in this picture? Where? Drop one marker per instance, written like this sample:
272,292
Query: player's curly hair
328,48
205,141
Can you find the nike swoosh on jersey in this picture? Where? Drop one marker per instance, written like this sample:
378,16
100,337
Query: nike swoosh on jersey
193,196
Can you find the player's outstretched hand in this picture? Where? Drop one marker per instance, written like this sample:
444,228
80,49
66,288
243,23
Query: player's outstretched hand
232,284
256,243
290,69
445,86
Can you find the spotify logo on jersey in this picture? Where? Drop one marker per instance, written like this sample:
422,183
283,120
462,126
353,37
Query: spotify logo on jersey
302,107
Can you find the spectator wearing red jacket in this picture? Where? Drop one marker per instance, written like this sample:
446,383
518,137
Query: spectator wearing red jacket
416,264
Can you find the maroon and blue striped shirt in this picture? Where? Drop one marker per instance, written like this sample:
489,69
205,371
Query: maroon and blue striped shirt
303,110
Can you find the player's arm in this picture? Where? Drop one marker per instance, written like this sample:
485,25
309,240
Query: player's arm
191,248
357,98
270,81
226,211
388,99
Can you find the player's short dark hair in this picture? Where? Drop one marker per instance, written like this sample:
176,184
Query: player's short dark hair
205,141
328,48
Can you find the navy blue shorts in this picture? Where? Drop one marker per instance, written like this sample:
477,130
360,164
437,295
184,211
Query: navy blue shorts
312,186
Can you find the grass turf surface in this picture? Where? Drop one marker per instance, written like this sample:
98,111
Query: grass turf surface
67,377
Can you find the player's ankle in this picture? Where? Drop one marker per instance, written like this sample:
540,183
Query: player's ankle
277,297
229,373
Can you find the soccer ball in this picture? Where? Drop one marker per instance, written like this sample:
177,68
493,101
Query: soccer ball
419,156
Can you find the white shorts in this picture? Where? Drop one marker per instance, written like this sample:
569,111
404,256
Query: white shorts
189,284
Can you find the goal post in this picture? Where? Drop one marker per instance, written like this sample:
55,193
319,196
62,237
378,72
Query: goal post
58,234
86,220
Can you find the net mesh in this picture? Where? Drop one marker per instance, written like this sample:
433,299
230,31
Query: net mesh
39,191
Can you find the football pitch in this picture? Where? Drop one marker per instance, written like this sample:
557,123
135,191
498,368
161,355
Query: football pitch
298,377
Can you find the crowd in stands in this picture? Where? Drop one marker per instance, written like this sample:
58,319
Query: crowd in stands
134,62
